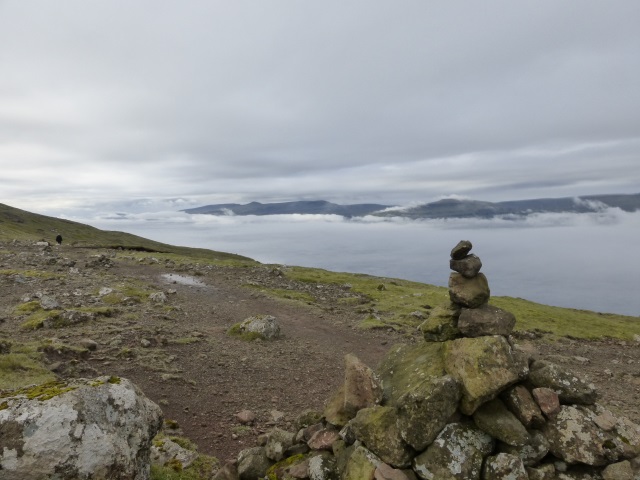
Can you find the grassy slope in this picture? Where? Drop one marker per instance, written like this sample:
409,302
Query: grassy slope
22,225
391,306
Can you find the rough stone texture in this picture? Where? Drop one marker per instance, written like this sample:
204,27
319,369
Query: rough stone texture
49,303
377,428
469,292
542,472
495,419
158,297
461,250
407,366
253,463
441,324
322,467
228,472
468,266
323,439
485,320
266,326
278,442
385,472
519,400
423,412
361,389
165,451
575,438
504,466
618,471
547,400
457,453
569,387
98,429
532,452
484,366
362,465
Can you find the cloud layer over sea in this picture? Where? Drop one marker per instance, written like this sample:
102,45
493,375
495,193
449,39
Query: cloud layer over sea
574,260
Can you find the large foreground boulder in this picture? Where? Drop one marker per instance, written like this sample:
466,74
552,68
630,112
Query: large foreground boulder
87,429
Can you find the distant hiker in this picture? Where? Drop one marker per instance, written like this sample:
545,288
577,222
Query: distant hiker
59,239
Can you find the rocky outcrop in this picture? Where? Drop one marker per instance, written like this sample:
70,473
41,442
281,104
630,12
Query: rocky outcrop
85,429
464,404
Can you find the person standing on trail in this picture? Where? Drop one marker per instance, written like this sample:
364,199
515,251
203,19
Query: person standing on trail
59,239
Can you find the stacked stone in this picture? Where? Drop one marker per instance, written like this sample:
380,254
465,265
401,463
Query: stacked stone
466,404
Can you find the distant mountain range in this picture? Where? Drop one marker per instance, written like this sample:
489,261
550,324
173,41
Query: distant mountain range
284,208
446,208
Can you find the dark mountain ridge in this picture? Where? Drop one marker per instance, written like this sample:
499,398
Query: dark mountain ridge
446,208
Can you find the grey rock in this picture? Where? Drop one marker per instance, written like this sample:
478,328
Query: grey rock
530,453
278,442
468,266
570,387
484,366
542,472
377,429
253,463
520,401
267,326
504,466
424,411
495,419
485,320
165,451
99,428
49,303
158,297
461,250
322,467
457,453
618,471
469,292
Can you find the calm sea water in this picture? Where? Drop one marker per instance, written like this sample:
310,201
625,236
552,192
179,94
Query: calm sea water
583,261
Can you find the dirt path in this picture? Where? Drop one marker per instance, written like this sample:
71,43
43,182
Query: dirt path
180,356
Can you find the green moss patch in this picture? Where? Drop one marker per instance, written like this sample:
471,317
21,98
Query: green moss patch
236,331
43,392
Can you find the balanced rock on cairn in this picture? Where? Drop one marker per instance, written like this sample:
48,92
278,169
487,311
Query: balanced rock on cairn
465,404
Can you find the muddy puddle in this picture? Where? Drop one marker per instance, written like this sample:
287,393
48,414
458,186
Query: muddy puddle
183,280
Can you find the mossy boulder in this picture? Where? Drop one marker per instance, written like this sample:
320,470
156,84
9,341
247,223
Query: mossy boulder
441,324
495,419
424,411
485,320
484,366
407,367
361,465
377,428
504,466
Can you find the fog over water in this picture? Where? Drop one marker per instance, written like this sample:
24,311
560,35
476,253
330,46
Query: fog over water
572,260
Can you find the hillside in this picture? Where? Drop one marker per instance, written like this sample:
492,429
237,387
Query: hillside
160,317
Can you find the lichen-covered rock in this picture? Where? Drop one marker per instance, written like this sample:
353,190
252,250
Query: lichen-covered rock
362,465
227,472
542,472
570,387
495,419
406,367
165,451
469,292
457,453
361,388
386,472
520,401
468,266
377,428
441,324
322,467
484,366
278,442
98,429
547,400
424,411
504,466
532,452
323,439
618,471
485,320
253,463
266,326
574,437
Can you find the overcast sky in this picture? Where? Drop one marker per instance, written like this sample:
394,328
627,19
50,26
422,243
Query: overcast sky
167,104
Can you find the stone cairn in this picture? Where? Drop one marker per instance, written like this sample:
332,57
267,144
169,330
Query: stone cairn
466,404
